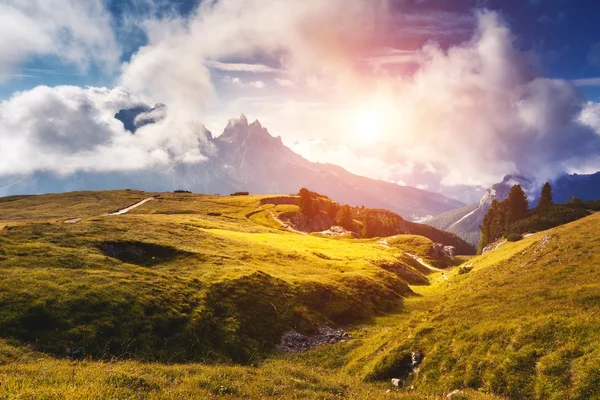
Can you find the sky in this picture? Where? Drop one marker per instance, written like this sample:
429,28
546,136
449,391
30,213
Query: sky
438,94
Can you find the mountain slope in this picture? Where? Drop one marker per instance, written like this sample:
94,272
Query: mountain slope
521,324
245,158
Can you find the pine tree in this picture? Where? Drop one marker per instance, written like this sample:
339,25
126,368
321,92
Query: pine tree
545,198
306,203
517,203
344,218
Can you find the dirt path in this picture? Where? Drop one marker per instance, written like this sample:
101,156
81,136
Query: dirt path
384,243
285,224
136,205
423,263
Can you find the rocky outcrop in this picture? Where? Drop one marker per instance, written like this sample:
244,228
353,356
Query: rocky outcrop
294,342
318,223
439,251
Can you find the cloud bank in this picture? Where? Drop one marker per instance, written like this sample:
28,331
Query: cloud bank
464,114
75,32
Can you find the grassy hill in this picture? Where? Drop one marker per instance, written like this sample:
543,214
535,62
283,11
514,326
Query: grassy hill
183,277
157,303
523,323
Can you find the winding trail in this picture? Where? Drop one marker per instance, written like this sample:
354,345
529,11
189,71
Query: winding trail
285,225
423,263
385,243
131,207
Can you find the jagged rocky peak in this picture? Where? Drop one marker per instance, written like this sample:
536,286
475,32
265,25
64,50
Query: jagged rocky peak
499,191
239,132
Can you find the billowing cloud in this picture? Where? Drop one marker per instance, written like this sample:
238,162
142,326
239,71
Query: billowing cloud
463,114
75,32
68,129
474,111
309,36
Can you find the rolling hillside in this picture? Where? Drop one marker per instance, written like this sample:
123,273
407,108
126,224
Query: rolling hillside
181,277
95,305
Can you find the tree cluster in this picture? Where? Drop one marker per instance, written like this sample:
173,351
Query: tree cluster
500,217
511,218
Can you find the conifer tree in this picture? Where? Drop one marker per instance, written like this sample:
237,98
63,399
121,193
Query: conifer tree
545,198
517,203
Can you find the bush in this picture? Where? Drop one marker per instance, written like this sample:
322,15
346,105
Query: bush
514,237
240,194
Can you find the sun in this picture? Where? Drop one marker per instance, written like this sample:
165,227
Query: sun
368,124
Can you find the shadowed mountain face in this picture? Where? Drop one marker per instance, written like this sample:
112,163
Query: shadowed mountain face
246,158
136,117
465,222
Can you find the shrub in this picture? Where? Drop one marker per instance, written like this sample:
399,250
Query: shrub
514,237
240,194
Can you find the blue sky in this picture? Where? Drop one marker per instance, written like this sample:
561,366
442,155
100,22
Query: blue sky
561,32
429,93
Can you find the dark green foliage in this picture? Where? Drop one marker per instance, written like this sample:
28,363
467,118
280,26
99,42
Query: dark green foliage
377,222
332,209
514,237
517,204
545,198
554,215
505,218
344,218
370,223
502,215
240,194
307,206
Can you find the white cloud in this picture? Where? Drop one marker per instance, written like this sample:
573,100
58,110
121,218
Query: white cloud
586,82
68,129
257,84
469,115
590,116
237,81
285,82
240,67
75,32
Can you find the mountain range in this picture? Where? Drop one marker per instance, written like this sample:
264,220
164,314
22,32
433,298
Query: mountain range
246,158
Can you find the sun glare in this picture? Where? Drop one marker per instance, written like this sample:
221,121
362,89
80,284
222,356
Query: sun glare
368,125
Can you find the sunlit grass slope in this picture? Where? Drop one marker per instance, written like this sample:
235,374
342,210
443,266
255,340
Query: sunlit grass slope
183,277
524,323
28,375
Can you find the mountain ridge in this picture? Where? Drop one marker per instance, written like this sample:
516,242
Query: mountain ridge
247,158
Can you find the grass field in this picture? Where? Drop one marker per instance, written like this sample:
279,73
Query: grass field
185,297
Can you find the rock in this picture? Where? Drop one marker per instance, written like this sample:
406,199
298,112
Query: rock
465,269
455,394
439,251
294,342
396,382
493,246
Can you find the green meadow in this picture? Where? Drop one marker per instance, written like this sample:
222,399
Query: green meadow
188,295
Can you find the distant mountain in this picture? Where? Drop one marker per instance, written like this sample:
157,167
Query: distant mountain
465,221
246,158
136,117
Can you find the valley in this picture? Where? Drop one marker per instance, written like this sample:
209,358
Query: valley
187,296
